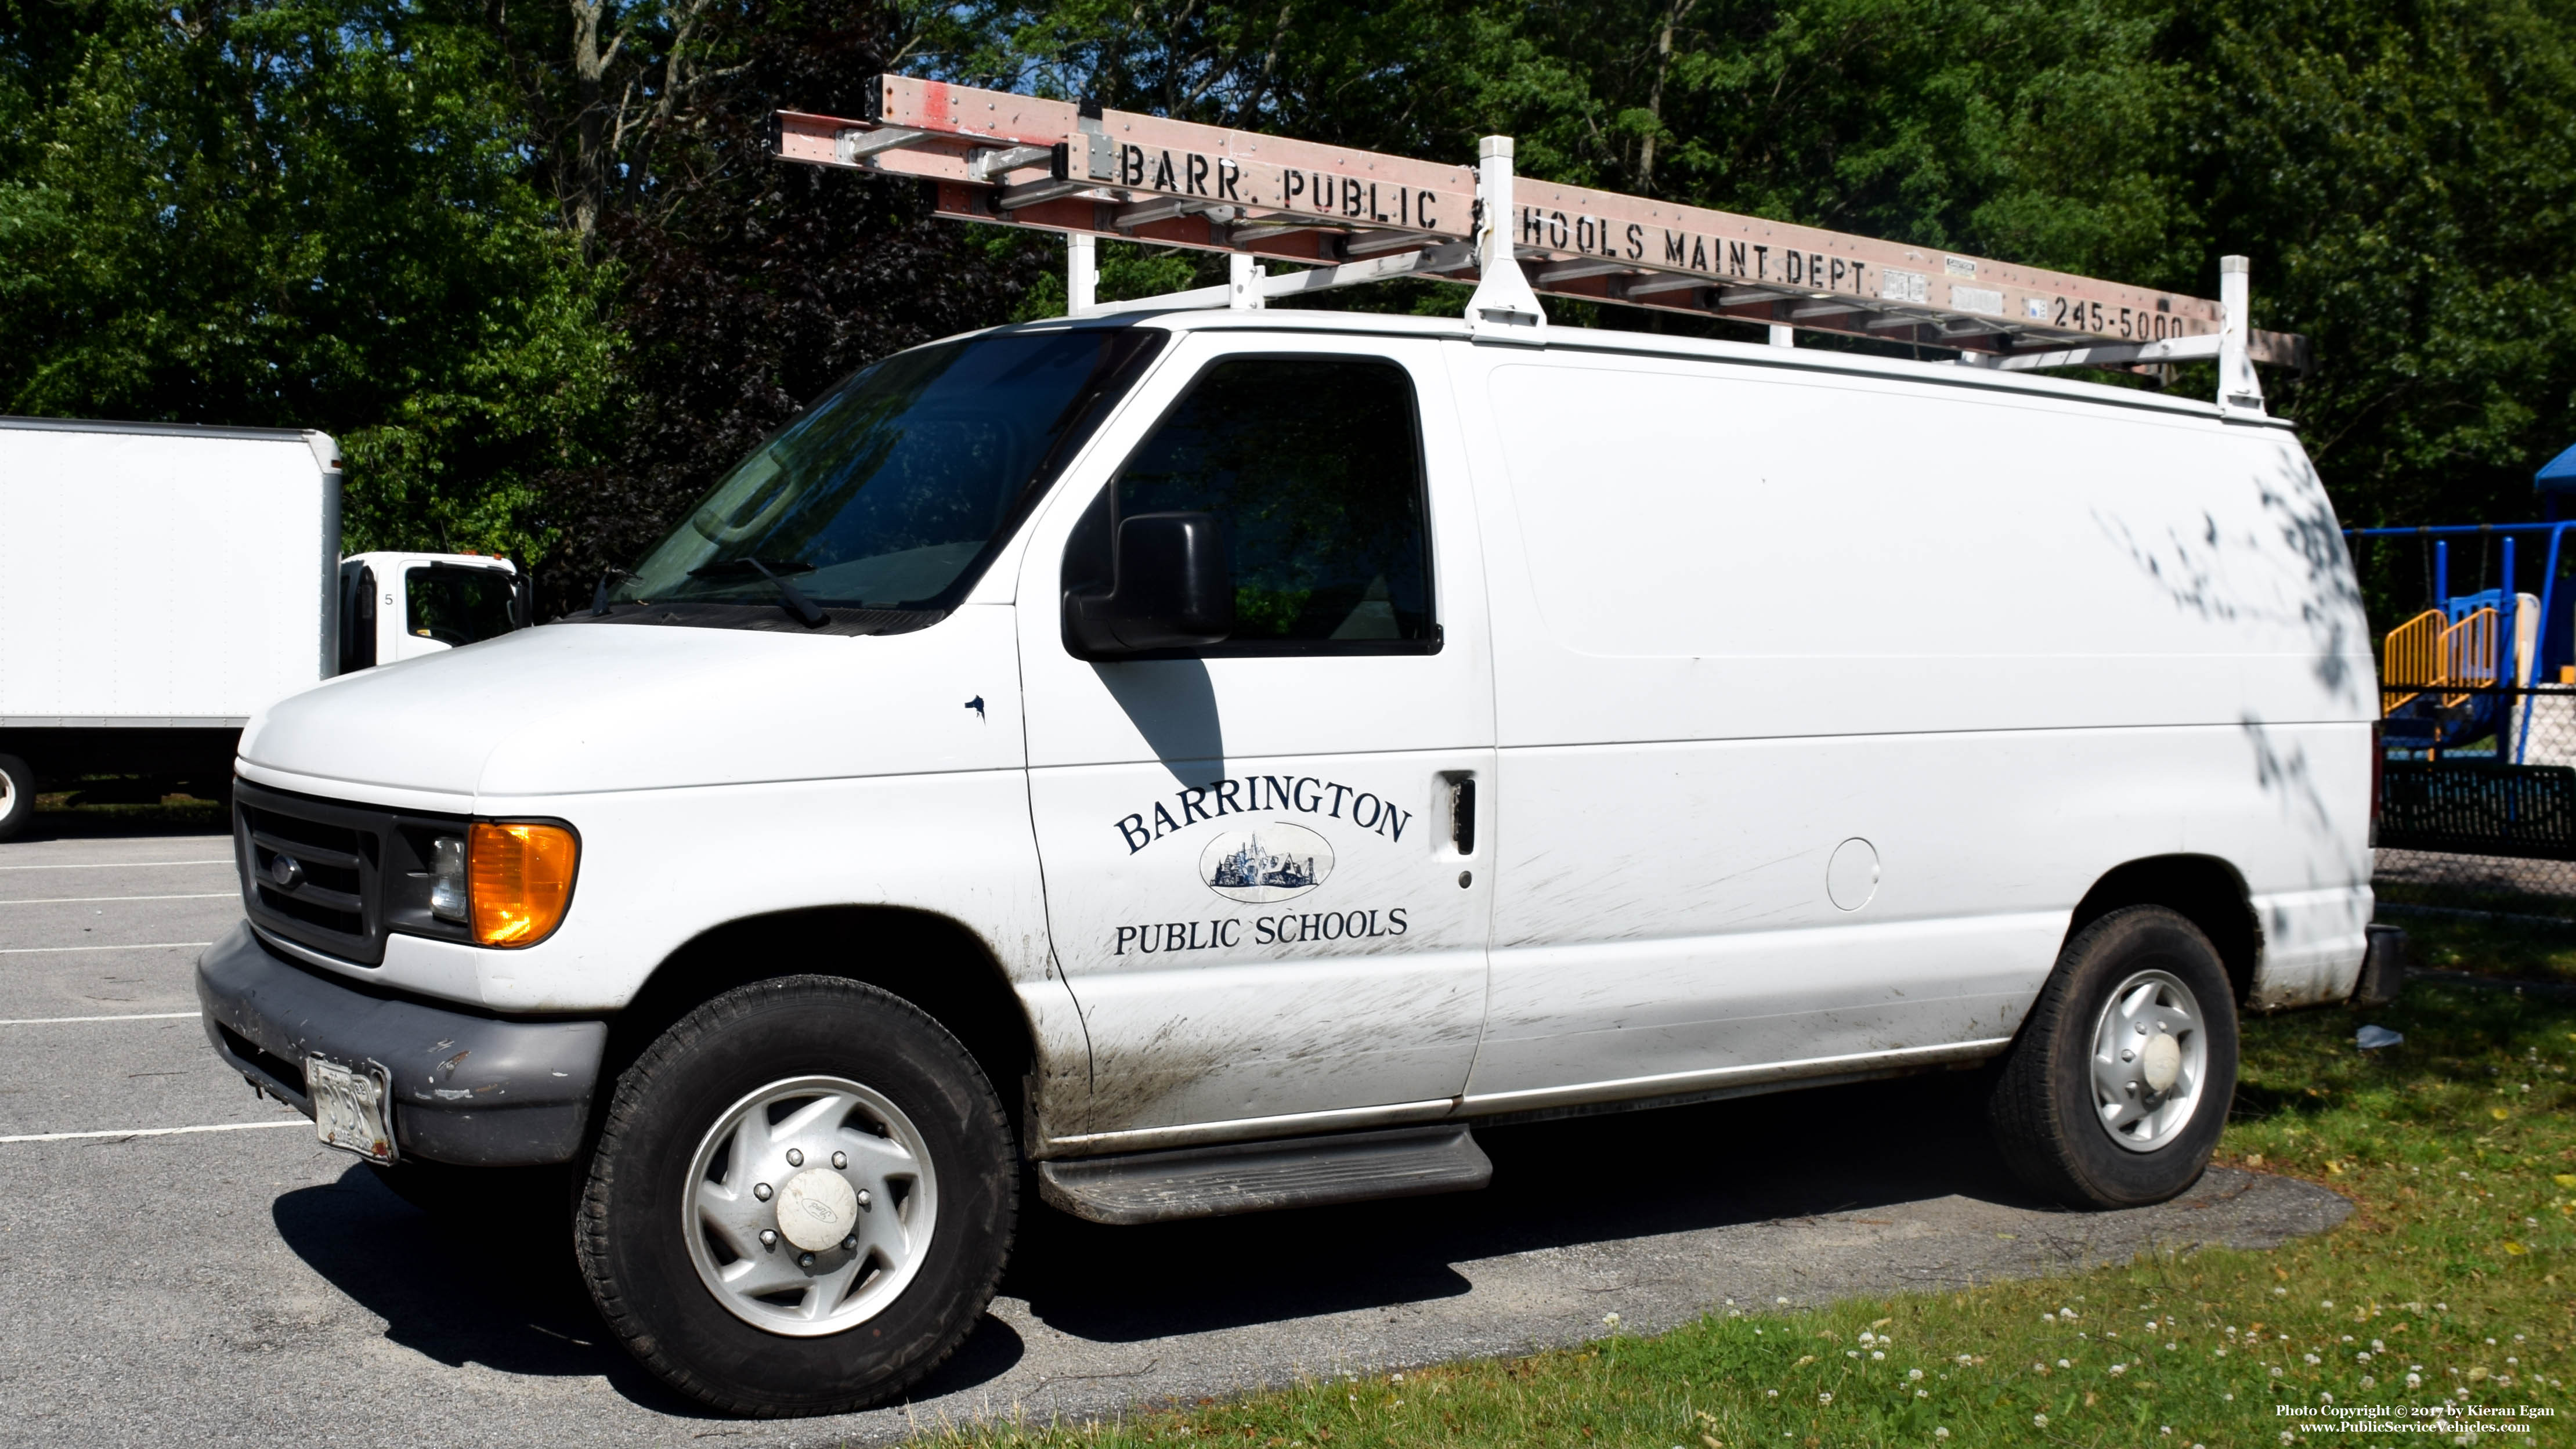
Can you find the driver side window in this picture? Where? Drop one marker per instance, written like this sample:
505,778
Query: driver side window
1313,467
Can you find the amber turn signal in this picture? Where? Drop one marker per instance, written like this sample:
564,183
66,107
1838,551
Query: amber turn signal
520,879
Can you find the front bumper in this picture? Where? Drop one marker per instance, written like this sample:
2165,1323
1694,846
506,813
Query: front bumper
467,1089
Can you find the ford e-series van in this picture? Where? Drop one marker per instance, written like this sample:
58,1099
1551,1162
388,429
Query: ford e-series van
1192,762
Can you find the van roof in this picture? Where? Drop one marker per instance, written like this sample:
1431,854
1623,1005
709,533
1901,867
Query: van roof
1653,344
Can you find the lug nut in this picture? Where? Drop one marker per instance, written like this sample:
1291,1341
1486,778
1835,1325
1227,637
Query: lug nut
768,1238
760,1190
863,1197
849,1245
804,1260
2125,1055
2142,1028
796,1158
840,1161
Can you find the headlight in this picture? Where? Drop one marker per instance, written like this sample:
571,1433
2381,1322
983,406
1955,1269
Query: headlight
519,880
447,879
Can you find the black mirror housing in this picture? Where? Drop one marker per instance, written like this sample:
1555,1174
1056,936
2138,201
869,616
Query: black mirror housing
1171,588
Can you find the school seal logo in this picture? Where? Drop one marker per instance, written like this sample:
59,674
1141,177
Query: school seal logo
1275,861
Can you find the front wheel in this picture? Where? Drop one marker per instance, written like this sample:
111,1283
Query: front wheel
2116,1090
801,1200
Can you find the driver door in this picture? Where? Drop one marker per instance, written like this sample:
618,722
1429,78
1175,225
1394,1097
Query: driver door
1264,882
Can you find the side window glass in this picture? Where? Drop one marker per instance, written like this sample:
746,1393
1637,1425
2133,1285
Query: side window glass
457,605
1314,468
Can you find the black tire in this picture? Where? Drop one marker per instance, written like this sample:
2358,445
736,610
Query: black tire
629,1230
17,795
2042,1108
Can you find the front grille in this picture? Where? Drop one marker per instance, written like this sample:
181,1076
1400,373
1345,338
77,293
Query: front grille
336,877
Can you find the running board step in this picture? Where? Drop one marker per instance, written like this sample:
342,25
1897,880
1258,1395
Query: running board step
1251,1177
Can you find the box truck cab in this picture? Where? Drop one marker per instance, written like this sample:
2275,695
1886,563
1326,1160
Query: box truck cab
1209,761
226,592
396,606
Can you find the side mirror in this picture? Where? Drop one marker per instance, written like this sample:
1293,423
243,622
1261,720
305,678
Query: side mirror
1170,589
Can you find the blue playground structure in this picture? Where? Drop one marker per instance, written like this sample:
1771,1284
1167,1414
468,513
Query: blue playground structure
2450,676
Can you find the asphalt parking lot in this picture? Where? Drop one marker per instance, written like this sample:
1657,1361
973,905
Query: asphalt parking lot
185,1264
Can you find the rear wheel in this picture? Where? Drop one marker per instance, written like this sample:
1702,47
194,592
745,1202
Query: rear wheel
17,795
2117,1089
801,1200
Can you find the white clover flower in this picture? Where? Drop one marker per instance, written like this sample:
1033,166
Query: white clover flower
2312,1358
2165,1429
1912,1374
2368,1382
1610,1318
1939,1433
1771,1394
2061,1363
1922,1393
1824,1398
1875,1355
2276,1372
2286,1436
2040,1420
2362,1357
2118,1369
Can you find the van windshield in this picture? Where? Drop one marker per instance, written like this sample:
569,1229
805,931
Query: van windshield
892,491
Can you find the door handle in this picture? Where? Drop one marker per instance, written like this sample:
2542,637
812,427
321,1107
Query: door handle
1462,813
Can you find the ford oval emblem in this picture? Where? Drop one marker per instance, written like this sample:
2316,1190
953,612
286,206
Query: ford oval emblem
285,871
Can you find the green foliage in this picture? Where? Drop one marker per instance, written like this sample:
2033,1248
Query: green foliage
527,263
295,215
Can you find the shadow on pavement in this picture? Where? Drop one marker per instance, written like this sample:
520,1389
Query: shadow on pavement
1574,1181
510,1302
518,1306
112,823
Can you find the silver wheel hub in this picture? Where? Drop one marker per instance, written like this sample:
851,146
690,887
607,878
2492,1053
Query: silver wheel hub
2150,1055
809,1207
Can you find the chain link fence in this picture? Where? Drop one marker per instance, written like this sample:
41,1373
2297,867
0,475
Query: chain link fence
2478,800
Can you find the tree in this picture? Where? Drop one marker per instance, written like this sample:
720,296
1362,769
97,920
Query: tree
292,214
746,286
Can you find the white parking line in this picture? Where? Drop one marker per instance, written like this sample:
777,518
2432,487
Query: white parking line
138,946
129,1016
157,1131
120,864
93,900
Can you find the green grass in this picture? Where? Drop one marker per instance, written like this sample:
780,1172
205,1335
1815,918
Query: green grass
2459,1147
2491,947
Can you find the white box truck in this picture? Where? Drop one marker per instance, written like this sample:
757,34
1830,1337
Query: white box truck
161,583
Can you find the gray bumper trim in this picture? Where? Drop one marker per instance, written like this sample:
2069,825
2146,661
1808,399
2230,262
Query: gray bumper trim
467,1089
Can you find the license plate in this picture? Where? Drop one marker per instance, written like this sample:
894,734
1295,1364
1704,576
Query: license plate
349,1108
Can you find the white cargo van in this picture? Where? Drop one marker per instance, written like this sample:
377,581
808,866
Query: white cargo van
1219,758
1190,762
160,582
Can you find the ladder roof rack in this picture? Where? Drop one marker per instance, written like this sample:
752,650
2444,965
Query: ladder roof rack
1358,216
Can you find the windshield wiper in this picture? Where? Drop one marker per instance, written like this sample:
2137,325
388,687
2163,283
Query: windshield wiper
791,598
